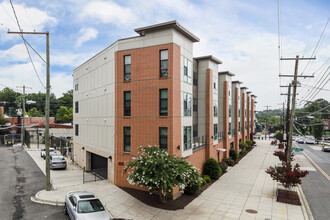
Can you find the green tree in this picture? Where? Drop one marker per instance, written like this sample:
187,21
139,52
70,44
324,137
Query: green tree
67,99
64,115
3,121
317,130
33,112
9,96
158,171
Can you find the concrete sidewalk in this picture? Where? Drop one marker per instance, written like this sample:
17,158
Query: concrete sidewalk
245,186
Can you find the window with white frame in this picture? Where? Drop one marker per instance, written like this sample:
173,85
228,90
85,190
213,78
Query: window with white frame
187,101
187,70
215,131
215,85
186,137
76,85
215,108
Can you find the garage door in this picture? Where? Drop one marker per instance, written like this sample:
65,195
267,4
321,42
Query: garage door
99,165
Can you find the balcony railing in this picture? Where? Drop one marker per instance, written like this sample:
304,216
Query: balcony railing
198,143
221,135
233,132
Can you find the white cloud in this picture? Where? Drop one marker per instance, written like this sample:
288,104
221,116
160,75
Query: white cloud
86,34
30,18
15,53
107,12
69,59
60,83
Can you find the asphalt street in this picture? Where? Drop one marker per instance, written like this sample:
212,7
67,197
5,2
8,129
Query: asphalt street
20,178
315,185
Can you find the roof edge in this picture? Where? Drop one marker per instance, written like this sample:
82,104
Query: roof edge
226,72
141,31
239,82
209,57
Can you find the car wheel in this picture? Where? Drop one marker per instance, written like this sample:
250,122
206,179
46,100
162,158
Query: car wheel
65,209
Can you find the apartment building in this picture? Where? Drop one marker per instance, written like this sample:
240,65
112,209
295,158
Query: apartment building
150,90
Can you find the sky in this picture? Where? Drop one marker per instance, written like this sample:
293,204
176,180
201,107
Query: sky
244,35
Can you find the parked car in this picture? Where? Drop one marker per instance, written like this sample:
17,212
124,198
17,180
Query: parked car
52,152
57,162
326,148
300,141
84,205
310,141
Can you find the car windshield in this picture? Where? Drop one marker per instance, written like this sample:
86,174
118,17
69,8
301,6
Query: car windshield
58,159
87,206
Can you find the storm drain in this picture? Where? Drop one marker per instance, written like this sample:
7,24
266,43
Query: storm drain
251,211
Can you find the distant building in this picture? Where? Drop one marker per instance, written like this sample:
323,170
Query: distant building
150,90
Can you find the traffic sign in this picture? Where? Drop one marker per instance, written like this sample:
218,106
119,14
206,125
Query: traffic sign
297,149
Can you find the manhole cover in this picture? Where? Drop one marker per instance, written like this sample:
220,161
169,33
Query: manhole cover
251,211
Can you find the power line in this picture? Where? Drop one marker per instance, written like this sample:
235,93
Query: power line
27,49
309,34
316,85
318,42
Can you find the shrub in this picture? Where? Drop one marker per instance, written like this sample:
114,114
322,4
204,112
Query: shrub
212,168
279,136
282,156
207,178
233,154
243,153
249,143
158,171
223,166
243,146
203,182
287,175
229,161
192,188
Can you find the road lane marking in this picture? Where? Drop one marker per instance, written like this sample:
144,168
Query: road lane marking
317,166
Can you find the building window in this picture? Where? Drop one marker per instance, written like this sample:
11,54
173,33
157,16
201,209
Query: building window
195,79
229,110
231,145
76,105
163,102
186,104
187,137
187,70
215,108
239,126
163,138
215,85
163,63
76,85
76,129
127,103
127,67
229,128
195,105
239,112
127,139
215,131
195,130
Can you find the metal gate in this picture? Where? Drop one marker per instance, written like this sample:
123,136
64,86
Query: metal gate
99,165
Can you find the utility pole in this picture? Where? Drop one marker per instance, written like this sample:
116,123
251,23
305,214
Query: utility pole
293,105
266,120
288,114
48,187
23,114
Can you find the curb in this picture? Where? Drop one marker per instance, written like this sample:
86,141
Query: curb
36,199
304,206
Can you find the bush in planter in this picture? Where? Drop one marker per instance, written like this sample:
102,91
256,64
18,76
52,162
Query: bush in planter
249,143
229,161
288,175
192,188
243,146
224,166
158,171
233,154
207,178
282,156
212,168
243,153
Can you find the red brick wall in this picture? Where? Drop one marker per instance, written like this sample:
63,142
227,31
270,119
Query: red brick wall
248,116
236,143
243,112
145,120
